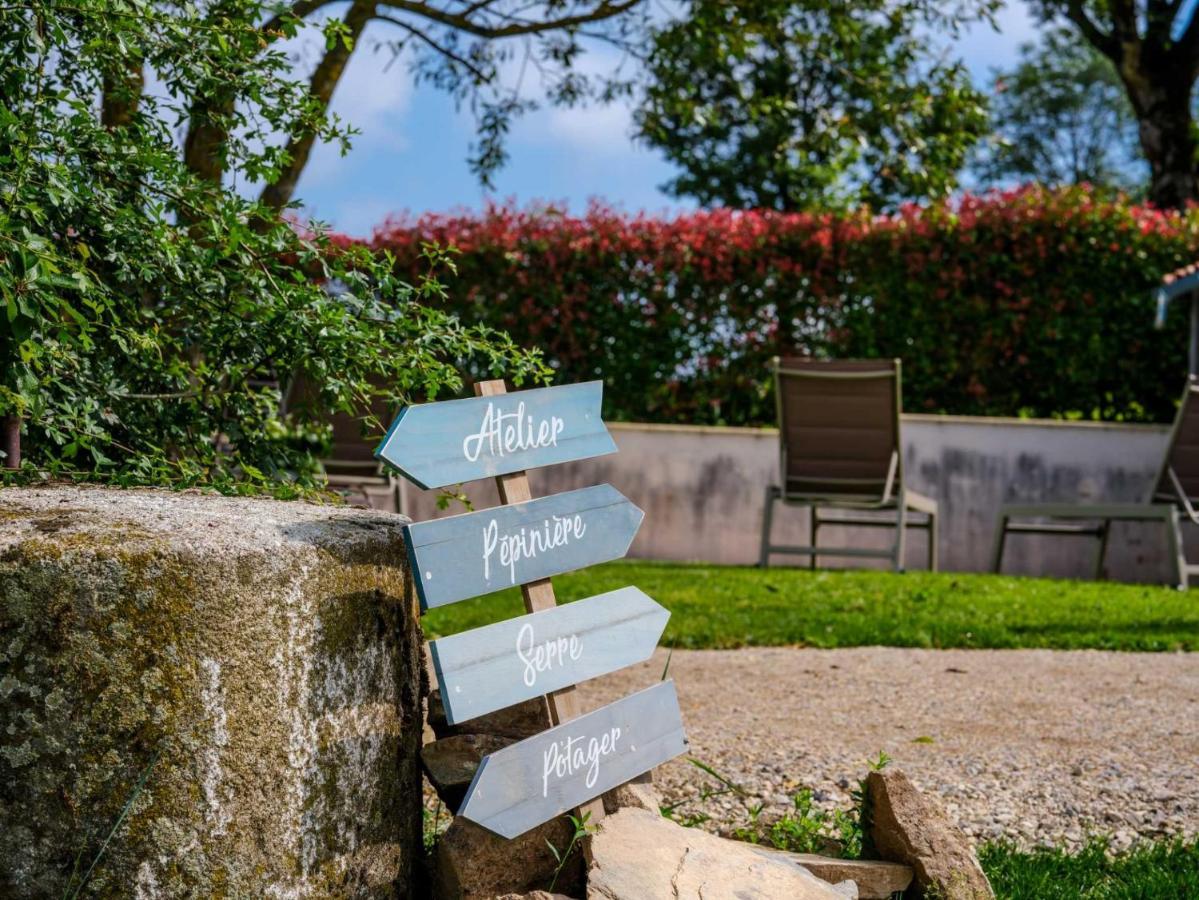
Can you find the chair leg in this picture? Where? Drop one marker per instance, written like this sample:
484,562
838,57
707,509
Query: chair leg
932,542
767,520
1104,530
997,551
901,533
1174,548
814,520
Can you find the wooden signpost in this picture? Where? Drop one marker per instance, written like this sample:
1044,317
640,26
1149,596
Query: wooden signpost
525,541
499,665
476,553
435,444
545,775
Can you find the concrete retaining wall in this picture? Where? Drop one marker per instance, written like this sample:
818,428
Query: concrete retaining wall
244,675
702,489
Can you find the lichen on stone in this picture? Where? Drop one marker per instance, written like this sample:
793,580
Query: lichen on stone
253,665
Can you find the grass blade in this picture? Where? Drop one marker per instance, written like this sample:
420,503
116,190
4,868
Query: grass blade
137,789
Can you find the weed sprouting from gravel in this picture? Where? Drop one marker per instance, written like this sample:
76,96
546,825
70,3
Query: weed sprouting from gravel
582,828
804,828
435,821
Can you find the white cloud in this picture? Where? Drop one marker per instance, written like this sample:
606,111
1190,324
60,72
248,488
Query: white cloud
593,130
374,98
373,90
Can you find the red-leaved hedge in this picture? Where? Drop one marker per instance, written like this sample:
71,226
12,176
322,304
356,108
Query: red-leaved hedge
1030,302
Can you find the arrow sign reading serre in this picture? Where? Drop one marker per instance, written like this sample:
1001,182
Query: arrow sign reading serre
476,553
541,777
435,444
488,668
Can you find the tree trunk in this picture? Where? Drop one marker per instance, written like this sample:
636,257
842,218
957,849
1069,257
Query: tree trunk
1168,140
11,441
118,103
203,148
324,81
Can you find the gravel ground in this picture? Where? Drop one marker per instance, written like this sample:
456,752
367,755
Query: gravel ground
1038,746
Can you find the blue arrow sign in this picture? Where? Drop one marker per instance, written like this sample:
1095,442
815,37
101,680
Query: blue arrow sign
436,444
476,553
498,665
541,777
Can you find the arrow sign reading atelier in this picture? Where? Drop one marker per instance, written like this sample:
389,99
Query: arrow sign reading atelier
488,668
435,444
476,553
541,777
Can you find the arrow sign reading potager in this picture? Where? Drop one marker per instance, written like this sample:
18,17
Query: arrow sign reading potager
476,553
488,668
435,444
541,777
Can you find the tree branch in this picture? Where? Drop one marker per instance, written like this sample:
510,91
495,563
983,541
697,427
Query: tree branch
463,22
1124,18
299,9
444,51
324,81
1184,53
200,146
1107,44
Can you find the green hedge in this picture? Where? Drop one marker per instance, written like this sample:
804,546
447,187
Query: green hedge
1030,302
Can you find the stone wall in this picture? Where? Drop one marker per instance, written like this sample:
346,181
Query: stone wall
241,675
702,490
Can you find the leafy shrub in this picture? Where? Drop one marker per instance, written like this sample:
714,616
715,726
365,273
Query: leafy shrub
1029,302
805,828
154,324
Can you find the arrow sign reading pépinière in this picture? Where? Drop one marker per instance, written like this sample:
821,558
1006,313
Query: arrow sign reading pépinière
541,777
476,553
488,668
436,444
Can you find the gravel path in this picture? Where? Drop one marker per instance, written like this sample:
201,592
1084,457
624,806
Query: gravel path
1039,746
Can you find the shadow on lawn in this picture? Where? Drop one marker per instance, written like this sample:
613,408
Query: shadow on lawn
1180,633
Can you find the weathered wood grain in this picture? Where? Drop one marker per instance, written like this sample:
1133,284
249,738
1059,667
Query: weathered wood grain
498,665
480,552
543,776
437,444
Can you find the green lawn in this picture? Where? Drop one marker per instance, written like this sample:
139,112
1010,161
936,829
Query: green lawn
1158,871
727,606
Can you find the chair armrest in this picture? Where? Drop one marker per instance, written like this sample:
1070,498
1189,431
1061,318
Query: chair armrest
920,503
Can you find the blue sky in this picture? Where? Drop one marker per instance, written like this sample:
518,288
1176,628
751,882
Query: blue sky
412,152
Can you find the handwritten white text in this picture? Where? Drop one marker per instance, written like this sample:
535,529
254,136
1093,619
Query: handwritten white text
541,657
571,755
527,543
507,432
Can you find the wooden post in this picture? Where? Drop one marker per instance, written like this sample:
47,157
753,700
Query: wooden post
12,442
539,595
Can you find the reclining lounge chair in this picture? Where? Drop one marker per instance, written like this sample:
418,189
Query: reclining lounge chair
1172,496
355,471
840,450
